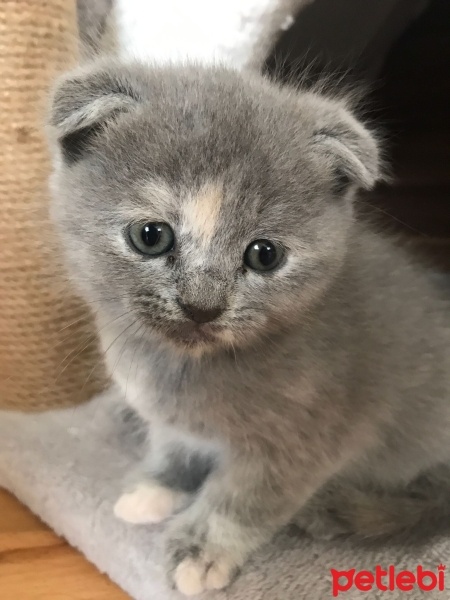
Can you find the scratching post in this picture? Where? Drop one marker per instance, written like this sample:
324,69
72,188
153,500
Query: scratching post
46,345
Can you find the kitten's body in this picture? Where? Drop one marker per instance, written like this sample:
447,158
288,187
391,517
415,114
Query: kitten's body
332,370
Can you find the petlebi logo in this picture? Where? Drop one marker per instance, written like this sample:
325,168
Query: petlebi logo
388,580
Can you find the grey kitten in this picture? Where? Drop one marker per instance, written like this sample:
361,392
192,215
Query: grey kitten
292,365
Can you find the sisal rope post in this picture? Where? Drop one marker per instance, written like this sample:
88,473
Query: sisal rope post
48,349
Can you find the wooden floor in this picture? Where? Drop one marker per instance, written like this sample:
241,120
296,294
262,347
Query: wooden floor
35,564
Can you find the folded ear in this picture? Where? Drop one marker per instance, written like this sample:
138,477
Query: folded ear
351,148
82,104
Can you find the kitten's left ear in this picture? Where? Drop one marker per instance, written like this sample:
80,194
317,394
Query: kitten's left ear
351,148
83,102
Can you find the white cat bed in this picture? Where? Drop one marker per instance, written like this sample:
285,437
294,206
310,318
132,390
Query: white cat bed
68,465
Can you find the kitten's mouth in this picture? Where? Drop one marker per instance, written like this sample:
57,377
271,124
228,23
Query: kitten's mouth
193,334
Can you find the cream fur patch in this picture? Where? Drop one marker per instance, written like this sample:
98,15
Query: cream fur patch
194,577
147,503
201,212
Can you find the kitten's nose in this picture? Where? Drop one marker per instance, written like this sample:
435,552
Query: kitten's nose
199,314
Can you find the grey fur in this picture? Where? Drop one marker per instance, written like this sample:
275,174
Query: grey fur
334,372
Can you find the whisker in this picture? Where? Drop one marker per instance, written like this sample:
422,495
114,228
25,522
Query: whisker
388,214
83,318
78,350
121,351
142,327
140,353
108,349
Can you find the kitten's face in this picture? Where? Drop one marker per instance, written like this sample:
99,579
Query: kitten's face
209,209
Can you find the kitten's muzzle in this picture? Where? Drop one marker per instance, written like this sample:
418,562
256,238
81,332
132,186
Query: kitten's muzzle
199,314
191,334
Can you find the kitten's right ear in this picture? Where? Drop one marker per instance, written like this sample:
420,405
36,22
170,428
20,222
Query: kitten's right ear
350,149
83,102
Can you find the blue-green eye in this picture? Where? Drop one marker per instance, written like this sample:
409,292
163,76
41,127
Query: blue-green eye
263,255
151,239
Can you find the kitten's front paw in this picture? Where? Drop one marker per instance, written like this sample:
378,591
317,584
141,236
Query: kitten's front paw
197,563
194,576
148,502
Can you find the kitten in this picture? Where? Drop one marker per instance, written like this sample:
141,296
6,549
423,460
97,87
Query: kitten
289,362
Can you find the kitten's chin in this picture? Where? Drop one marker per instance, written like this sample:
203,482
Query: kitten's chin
197,339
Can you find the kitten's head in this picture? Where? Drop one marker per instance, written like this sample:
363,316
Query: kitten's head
211,206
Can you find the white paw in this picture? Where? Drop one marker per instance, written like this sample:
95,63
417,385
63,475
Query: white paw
147,503
194,576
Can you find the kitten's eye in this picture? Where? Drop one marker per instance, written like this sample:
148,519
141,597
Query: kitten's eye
263,255
151,239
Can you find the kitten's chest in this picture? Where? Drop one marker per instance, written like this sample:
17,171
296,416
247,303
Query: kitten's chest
216,396
177,390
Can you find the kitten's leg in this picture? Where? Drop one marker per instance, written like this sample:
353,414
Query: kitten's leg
374,511
324,516
173,469
240,507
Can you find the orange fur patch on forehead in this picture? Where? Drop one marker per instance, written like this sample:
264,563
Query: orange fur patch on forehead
201,211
